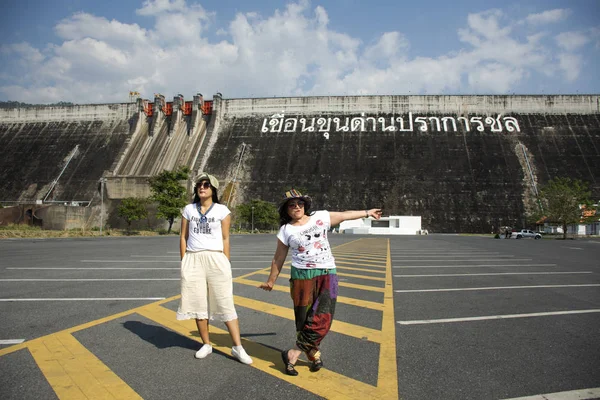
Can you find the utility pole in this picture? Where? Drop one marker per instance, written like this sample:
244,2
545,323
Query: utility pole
101,203
252,219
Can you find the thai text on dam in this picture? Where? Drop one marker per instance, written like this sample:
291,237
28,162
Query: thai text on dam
408,123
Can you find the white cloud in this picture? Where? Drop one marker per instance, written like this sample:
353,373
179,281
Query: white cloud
571,65
570,41
158,7
494,78
549,16
83,25
388,47
292,51
25,51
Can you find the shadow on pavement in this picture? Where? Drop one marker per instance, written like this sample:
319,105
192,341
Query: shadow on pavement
159,336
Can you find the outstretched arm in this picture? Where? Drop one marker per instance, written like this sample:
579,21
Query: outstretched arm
276,265
338,217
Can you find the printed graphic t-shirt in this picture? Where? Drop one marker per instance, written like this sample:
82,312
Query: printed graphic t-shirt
309,244
205,235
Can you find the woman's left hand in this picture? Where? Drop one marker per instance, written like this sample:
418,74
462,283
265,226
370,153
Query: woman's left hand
374,212
268,286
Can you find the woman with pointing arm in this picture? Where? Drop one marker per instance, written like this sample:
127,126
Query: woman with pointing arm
313,283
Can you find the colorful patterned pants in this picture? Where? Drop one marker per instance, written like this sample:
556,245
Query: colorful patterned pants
314,306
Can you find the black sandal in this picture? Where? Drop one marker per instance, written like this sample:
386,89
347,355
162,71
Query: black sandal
317,362
316,365
289,367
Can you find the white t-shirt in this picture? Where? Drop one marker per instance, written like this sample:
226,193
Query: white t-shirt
205,235
309,244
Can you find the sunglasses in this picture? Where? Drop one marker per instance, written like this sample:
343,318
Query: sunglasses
293,204
205,185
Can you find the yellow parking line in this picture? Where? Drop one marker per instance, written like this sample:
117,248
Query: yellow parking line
326,383
341,299
74,372
343,284
352,269
361,287
367,277
344,328
287,276
360,269
353,261
13,348
387,379
362,257
86,325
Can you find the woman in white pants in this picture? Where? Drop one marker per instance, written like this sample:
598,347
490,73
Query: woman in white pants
206,281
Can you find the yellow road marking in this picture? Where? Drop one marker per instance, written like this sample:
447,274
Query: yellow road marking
351,261
382,271
387,379
367,277
74,372
339,274
343,284
361,287
13,348
354,259
357,331
338,247
326,383
341,299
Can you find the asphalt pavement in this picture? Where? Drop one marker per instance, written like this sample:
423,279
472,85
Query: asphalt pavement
418,317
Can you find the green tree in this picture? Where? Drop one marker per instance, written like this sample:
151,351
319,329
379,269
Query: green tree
561,200
168,192
132,209
262,213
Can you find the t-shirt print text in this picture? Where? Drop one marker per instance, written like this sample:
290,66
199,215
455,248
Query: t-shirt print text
202,225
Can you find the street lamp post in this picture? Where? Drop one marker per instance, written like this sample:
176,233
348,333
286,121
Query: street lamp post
252,219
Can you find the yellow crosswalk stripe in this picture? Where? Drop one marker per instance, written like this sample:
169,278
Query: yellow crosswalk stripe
353,261
326,383
287,276
341,299
360,332
337,267
74,372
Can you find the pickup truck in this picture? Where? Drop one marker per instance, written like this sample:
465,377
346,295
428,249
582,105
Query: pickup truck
525,233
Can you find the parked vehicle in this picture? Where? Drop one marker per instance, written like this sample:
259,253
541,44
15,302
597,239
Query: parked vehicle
525,233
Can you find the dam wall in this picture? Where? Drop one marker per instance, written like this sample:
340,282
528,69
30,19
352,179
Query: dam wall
88,112
58,161
64,155
463,163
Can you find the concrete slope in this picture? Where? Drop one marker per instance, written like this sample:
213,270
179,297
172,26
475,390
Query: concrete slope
149,155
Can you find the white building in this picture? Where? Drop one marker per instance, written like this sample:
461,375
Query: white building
392,225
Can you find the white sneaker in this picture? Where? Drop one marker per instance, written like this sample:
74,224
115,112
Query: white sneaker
239,353
205,350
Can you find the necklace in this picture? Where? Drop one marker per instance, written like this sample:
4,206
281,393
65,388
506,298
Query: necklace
203,218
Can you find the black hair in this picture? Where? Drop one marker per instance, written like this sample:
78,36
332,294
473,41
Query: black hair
284,217
215,195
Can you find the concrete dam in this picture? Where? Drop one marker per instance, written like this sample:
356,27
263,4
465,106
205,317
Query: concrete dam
463,163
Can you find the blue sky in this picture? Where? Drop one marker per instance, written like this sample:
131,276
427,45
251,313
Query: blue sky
97,51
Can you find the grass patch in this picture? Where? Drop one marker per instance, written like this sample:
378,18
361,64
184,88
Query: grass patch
32,232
